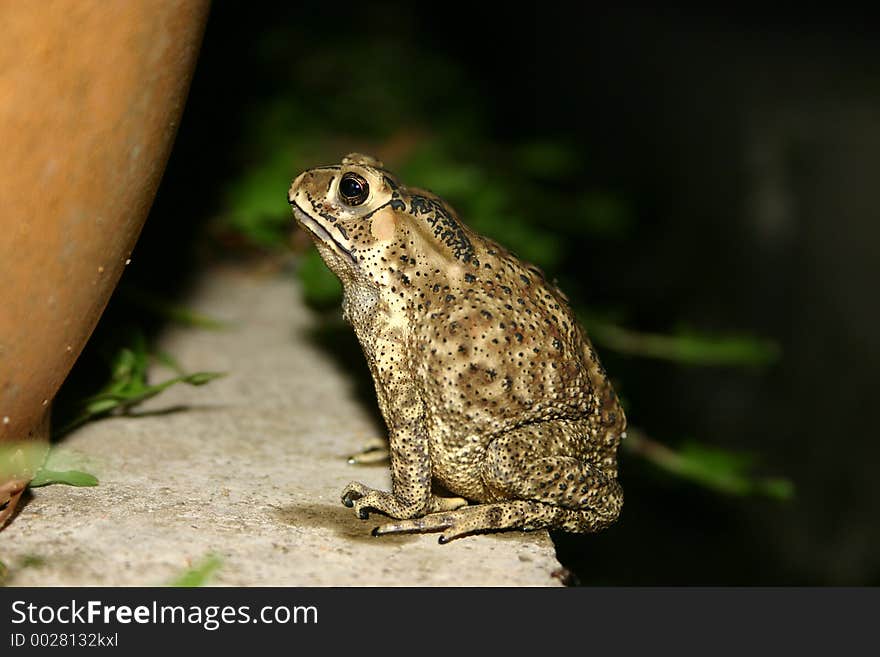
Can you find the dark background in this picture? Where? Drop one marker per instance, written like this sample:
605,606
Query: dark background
744,147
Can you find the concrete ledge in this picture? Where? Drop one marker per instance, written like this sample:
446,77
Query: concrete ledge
249,467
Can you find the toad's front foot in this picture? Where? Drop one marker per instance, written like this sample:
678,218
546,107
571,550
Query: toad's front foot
365,499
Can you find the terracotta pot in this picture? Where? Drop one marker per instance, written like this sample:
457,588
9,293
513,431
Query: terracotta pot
91,93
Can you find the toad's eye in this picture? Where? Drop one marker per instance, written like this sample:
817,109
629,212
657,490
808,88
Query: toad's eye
353,189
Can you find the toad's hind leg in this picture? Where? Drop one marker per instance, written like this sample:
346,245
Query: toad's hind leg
521,466
496,516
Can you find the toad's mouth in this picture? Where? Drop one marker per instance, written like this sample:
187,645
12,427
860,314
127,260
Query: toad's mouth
320,232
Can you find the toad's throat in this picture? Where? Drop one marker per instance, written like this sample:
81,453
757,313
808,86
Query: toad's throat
320,232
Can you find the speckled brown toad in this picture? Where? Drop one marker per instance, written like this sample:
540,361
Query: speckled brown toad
487,383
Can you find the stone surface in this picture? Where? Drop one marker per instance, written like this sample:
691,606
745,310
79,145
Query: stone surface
248,467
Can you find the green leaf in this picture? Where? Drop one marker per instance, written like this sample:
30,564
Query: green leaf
69,478
201,378
776,487
431,166
715,459
101,406
721,470
141,393
257,201
128,385
688,348
126,361
199,574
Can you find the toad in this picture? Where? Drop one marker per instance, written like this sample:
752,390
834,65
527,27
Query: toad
488,385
